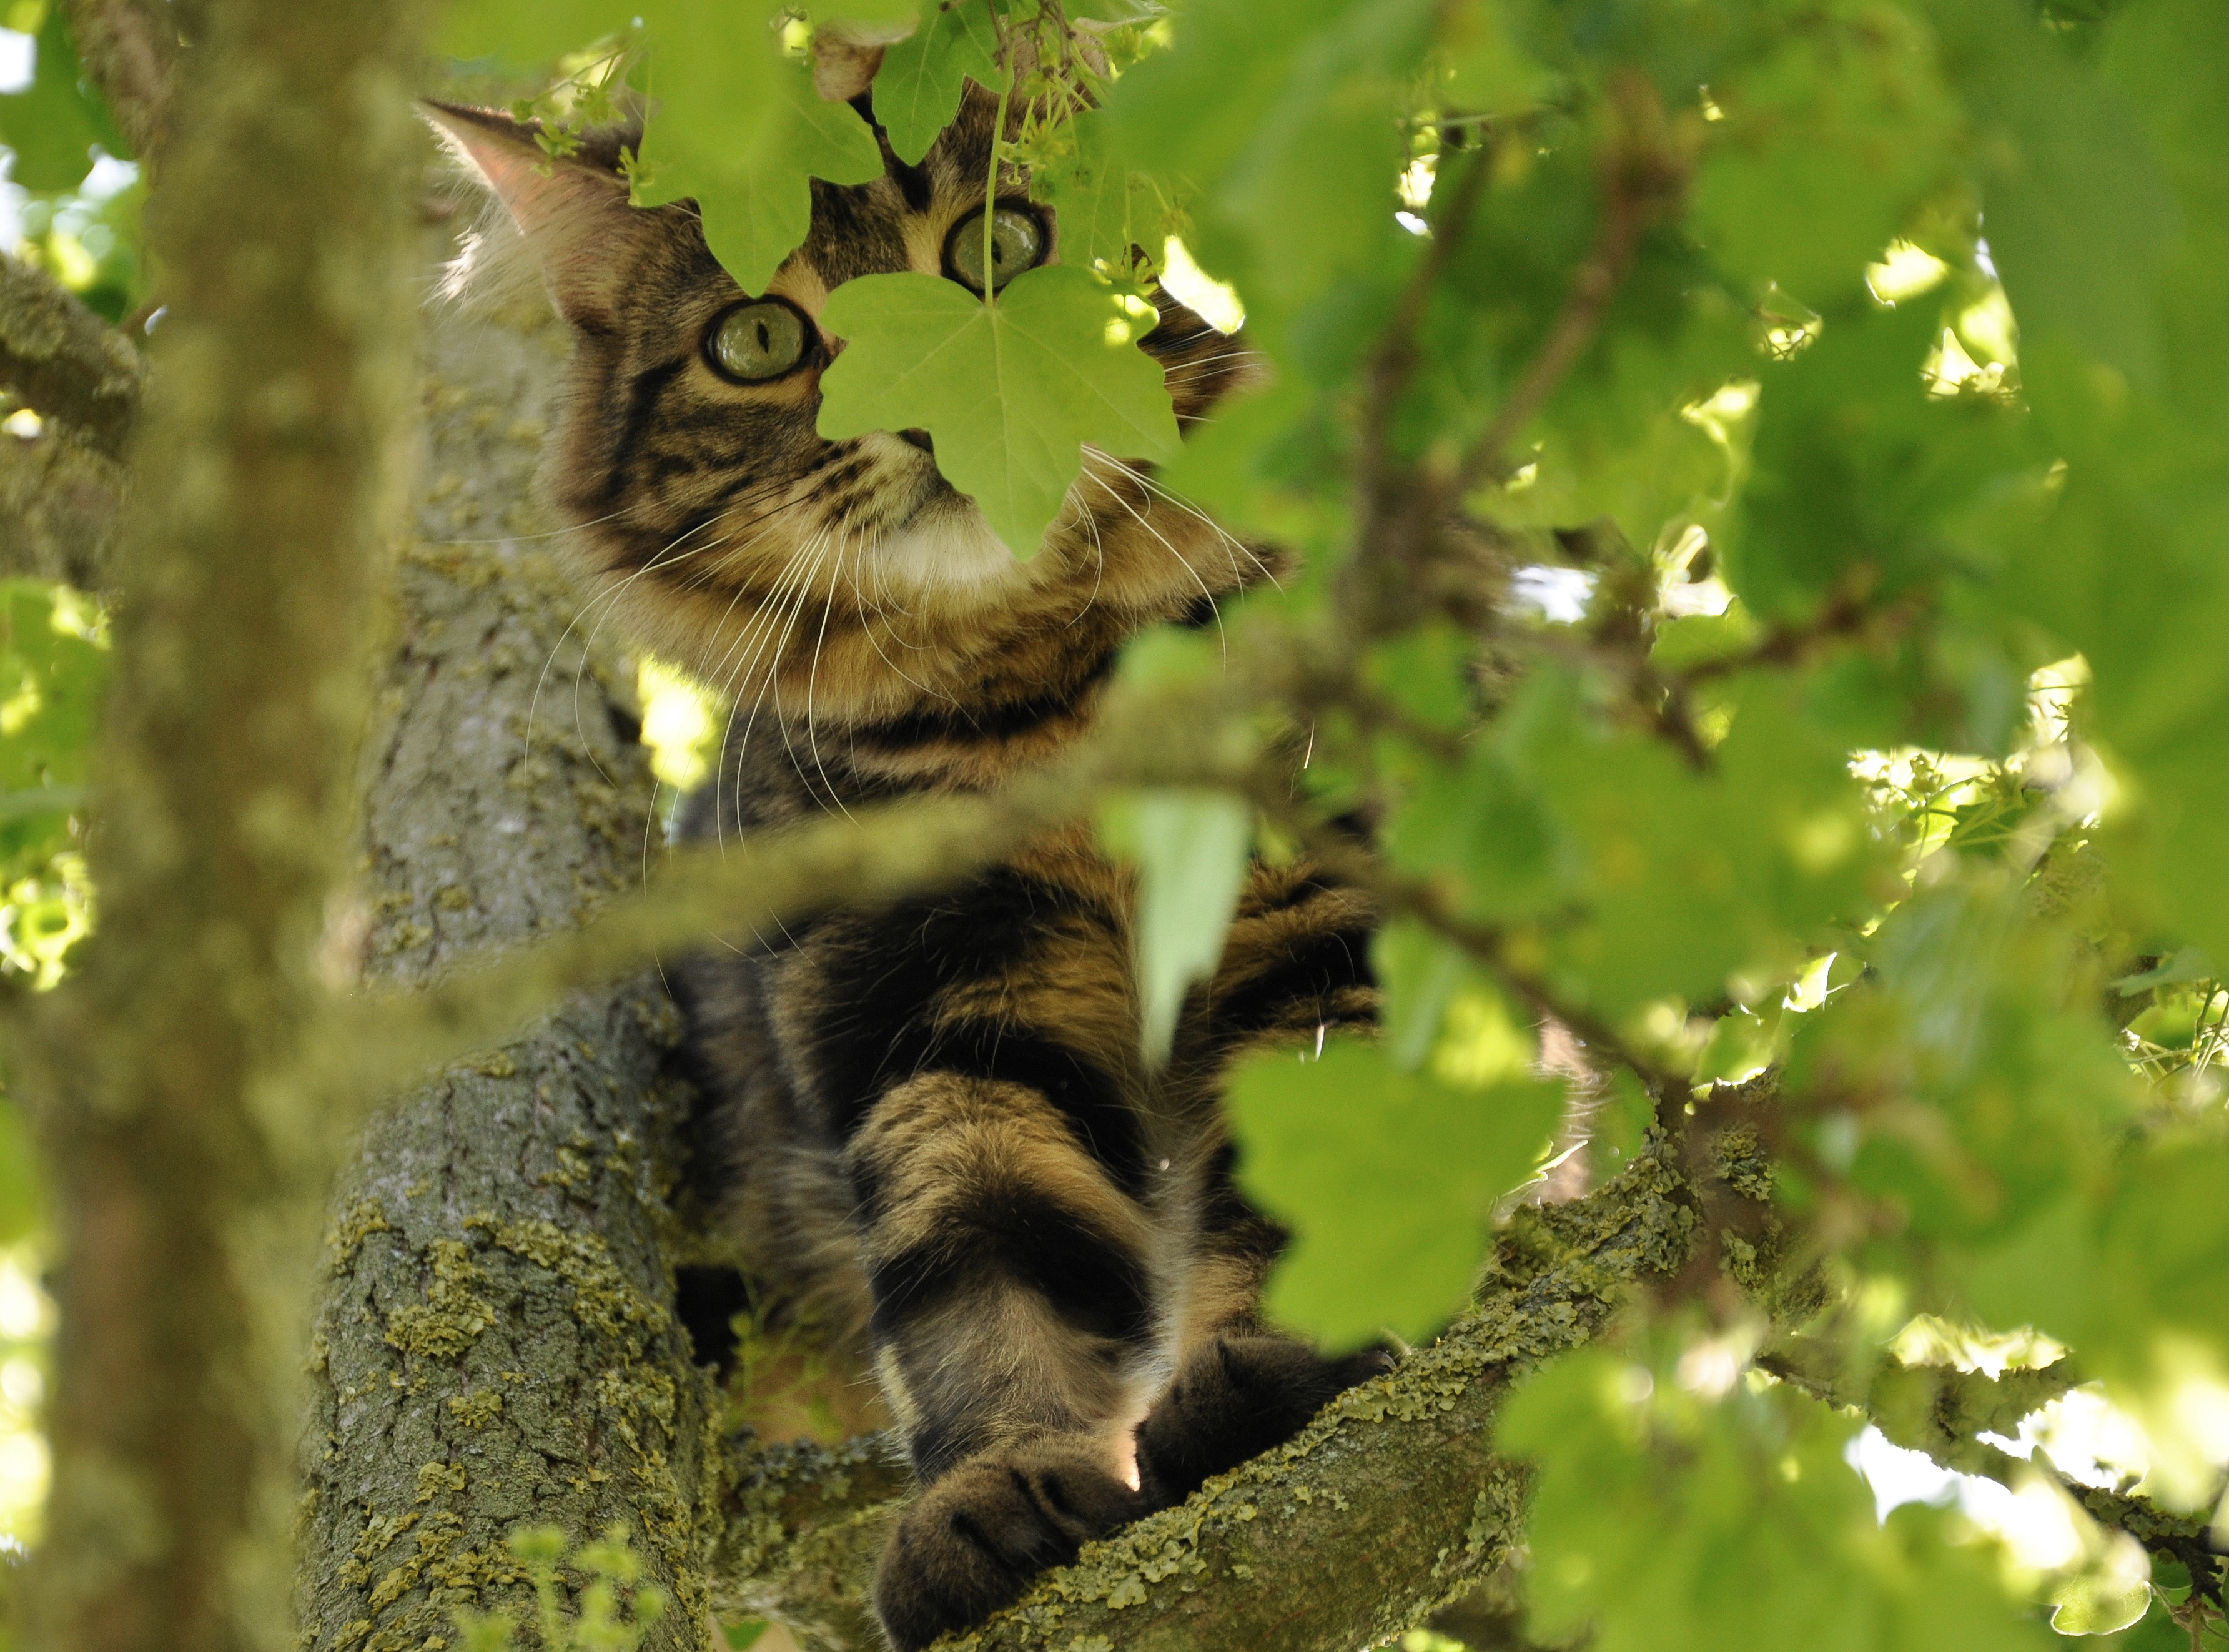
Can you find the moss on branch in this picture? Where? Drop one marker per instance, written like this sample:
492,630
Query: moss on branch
62,361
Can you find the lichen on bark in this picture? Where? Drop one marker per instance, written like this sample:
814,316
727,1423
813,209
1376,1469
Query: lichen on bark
496,1345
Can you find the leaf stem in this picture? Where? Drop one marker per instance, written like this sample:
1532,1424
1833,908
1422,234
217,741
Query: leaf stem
998,137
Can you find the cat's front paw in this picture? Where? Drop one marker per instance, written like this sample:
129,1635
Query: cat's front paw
976,1538
1234,1399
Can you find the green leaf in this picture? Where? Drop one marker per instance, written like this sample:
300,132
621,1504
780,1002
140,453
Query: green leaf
54,123
1421,972
1388,1178
1191,849
2078,215
1859,474
1103,204
528,31
1674,880
738,128
1010,391
1825,148
1663,1517
924,77
1271,128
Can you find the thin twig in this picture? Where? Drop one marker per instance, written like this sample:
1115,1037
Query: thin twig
1642,179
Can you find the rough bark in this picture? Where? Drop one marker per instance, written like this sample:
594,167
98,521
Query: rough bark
496,1345
184,1166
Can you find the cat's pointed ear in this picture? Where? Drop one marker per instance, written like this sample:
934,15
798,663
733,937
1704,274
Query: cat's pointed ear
573,212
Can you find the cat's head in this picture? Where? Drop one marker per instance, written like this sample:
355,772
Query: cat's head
729,534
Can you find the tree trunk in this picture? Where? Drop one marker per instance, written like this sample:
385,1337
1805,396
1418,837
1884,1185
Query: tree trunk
185,1166
495,1344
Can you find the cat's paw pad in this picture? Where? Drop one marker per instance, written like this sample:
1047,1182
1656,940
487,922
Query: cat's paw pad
1235,1398
976,1538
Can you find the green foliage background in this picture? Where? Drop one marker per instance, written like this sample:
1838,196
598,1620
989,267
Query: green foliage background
1818,668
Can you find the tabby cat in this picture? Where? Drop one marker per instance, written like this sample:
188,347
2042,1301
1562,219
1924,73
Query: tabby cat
932,1121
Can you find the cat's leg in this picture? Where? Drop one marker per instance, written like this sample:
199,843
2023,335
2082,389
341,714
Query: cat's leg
1240,1387
1015,1333
1295,964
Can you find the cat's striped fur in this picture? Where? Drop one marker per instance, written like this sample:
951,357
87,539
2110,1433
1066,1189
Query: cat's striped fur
932,1121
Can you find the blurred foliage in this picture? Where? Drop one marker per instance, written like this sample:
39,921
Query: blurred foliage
1813,665
54,648
53,661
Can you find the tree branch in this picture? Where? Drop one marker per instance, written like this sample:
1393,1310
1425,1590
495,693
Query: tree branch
1941,1410
757,883
1641,177
61,500
130,51
59,359
1405,1458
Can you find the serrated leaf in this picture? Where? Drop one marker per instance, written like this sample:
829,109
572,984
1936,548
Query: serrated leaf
1388,1179
924,77
1010,391
737,127
1191,850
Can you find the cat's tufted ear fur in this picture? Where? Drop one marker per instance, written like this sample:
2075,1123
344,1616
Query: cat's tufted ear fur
572,213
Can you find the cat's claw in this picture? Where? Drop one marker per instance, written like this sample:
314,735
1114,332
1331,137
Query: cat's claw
977,1537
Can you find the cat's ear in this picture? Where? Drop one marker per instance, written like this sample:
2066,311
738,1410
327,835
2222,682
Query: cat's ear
573,212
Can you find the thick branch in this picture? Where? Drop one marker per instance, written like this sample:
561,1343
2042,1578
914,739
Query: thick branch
1942,1411
497,1342
1405,1460
60,499
59,357
761,881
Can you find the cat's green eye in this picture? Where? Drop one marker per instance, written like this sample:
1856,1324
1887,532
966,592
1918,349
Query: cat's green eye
1017,243
754,342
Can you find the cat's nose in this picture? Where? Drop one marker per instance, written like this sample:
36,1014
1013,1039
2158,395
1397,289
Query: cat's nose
919,439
